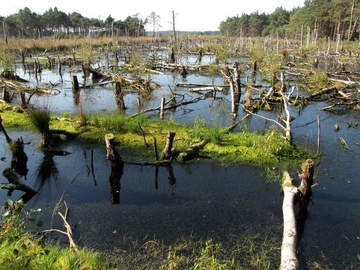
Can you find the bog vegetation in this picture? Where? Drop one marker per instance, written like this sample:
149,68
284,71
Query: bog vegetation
318,52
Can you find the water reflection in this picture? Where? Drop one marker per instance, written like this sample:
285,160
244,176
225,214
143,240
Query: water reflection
115,185
47,169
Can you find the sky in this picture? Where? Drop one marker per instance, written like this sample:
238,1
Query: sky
191,15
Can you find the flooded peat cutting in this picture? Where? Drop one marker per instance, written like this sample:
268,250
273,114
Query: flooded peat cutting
204,199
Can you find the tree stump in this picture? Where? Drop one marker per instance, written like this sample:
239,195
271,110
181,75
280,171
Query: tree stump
304,196
169,143
119,97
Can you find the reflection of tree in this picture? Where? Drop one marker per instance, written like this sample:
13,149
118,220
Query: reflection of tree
115,185
47,169
117,167
171,178
16,183
19,158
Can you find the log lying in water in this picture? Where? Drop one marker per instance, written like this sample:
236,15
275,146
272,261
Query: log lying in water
294,224
17,183
289,260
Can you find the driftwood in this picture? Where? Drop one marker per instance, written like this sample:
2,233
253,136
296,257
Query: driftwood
11,76
206,89
201,85
171,107
16,183
289,260
294,224
67,226
192,151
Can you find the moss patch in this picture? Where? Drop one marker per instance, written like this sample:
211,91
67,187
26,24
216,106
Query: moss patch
136,137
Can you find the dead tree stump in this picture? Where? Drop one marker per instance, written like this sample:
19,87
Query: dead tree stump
304,196
75,83
119,97
167,154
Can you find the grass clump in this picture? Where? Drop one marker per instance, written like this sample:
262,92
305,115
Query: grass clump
40,119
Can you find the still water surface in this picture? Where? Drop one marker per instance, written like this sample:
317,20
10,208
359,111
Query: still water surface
203,198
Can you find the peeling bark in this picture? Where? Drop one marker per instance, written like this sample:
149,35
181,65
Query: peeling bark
289,260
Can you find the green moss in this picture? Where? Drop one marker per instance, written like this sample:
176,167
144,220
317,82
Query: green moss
136,137
14,117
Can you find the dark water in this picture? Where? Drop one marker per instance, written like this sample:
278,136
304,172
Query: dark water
204,198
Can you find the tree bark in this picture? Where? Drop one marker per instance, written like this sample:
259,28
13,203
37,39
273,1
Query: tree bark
305,195
16,181
119,97
289,260
167,154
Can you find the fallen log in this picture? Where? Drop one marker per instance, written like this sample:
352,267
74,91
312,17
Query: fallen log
187,84
16,183
289,260
192,151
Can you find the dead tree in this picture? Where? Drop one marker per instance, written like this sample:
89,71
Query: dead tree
167,152
304,196
289,259
294,224
119,96
235,88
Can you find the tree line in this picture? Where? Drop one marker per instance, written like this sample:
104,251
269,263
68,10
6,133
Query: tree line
53,22
334,19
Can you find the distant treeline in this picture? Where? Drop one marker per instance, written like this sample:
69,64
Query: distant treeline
334,19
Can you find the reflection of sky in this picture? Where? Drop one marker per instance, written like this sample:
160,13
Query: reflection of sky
336,197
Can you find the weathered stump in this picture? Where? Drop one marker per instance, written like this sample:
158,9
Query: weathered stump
162,105
119,97
75,83
172,56
167,154
304,196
